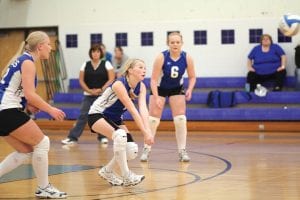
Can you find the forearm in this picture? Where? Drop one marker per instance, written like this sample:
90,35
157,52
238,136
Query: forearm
283,61
36,101
192,82
153,85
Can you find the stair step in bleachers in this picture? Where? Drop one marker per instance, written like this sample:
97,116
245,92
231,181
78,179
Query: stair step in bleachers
276,106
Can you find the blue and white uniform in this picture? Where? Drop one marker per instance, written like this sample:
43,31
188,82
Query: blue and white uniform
108,103
11,91
12,99
172,71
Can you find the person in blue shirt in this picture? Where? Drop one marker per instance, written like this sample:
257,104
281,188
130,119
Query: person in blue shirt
167,81
106,117
18,95
266,61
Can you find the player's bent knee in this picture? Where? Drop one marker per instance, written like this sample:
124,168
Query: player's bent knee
43,146
132,150
120,140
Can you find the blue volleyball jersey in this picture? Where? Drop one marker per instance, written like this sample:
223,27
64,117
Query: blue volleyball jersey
172,71
108,103
11,91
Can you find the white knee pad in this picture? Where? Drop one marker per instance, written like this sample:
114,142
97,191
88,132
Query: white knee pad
180,121
132,150
43,146
153,124
120,140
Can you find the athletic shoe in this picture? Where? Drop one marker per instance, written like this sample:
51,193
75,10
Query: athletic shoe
132,179
183,156
110,176
50,192
68,141
145,154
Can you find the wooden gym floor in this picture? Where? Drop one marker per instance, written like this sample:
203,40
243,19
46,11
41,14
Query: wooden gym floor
224,166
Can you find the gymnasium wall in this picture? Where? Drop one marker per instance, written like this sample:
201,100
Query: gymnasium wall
136,16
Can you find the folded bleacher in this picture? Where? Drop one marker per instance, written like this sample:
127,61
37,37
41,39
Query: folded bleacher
275,106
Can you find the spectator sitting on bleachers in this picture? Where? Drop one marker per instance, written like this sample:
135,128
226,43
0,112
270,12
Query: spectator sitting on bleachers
118,60
107,55
266,62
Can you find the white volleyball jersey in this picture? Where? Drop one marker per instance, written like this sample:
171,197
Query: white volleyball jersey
11,91
109,104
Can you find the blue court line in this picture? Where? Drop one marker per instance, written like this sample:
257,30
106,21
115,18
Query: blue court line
26,171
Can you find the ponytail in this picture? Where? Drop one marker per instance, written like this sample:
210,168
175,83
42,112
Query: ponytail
18,53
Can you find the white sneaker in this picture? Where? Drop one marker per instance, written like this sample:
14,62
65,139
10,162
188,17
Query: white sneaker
110,176
50,192
145,154
104,140
68,141
183,156
132,179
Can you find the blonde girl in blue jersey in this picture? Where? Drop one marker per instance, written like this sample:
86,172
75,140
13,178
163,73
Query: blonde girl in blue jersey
17,94
106,117
167,81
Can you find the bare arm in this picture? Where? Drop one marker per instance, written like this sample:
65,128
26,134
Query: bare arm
33,99
157,67
120,91
191,76
83,84
111,78
143,106
283,63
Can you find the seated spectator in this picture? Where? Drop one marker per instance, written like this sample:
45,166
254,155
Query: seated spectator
118,60
266,62
107,55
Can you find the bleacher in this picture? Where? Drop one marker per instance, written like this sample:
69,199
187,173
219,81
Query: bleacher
275,106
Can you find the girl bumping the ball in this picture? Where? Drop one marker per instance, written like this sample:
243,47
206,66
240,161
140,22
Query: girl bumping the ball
106,117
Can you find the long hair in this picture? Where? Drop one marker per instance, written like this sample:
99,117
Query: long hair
30,45
129,64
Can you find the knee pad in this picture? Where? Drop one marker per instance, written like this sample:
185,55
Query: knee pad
132,150
180,120
120,140
43,146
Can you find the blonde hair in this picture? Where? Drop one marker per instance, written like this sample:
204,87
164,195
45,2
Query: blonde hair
30,44
174,33
129,64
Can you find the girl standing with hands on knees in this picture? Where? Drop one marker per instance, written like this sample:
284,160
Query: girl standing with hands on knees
17,94
106,117
167,81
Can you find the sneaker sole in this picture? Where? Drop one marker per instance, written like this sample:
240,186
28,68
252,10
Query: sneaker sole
112,184
133,184
49,197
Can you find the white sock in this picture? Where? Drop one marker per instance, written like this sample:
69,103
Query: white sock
12,161
111,165
121,159
120,141
180,131
153,124
40,162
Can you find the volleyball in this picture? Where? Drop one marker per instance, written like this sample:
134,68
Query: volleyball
289,24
